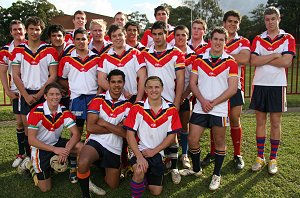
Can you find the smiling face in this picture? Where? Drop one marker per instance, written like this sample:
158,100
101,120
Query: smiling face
180,38
118,39
272,22
79,21
53,97
232,24
218,42
154,89
18,31
132,33
97,32
116,85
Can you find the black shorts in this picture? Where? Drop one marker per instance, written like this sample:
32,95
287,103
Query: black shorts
65,101
107,158
41,160
237,99
269,99
25,108
208,120
16,105
185,106
156,168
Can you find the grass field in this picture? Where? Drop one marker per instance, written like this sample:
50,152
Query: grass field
234,183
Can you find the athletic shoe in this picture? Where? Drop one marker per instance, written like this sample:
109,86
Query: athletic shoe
208,159
73,175
186,172
258,164
95,189
272,166
239,162
24,164
185,162
176,178
215,182
18,160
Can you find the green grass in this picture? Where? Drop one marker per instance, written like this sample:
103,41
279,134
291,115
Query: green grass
243,183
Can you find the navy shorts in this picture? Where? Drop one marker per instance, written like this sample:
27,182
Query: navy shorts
156,168
185,106
25,108
269,99
208,120
79,105
16,105
41,160
107,159
237,99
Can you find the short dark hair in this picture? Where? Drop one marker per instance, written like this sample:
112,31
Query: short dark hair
181,27
120,13
233,13
159,25
80,31
163,8
272,10
54,29
113,28
116,72
36,21
220,30
53,85
154,78
132,23
78,12
15,22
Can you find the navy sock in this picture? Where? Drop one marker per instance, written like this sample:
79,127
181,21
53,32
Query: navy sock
20,138
195,155
219,158
184,142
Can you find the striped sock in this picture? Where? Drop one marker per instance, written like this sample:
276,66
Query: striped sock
260,143
236,136
219,158
73,161
212,144
83,179
274,148
195,155
137,188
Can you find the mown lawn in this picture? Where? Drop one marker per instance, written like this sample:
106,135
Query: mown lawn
243,183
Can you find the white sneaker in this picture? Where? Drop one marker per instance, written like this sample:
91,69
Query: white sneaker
95,189
185,162
258,164
176,178
18,160
272,167
186,172
215,182
24,165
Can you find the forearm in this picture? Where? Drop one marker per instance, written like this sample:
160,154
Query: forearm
241,59
64,83
117,130
169,140
179,87
19,84
196,92
75,138
141,91
33,141
51,79
186,93
262,60
229,92
3,77
130,136
96,129
281,62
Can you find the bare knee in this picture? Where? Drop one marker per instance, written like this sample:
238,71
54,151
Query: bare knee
83,164
44,185
155,191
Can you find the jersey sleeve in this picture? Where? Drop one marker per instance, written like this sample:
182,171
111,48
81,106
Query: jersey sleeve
255,46
180,61
4,56
195,65
140,61
102,64
131,122
290,47
63,68
16,56
233,68
52,56
245,44
175,123
34,118
94,105
144,39
69,119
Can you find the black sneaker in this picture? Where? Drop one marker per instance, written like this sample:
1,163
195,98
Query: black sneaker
239,162
208,159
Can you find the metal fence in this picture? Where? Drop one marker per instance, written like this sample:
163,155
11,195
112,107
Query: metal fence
292,73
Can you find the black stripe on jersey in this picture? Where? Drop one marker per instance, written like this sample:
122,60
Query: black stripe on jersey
41,48
85,60
273,41
233,41
103,50
123,55
109,103
159,56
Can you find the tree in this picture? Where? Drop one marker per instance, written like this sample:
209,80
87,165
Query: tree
21,10
257,18
181,16
246,28
139,18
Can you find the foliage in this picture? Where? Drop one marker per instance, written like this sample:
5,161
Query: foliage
21,10
139,18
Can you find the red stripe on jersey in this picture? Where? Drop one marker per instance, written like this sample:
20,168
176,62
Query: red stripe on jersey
170,37
189,58
120,60
144,39
203,48
235,43
80,65
271,45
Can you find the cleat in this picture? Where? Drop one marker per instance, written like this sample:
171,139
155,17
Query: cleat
18,160
185,162
73,176
258,164
239,162
215,182
95,189
272,166
208,159
24,165
176,178
186,172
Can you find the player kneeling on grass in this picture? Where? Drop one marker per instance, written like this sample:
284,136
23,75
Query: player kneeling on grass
106,113
156,122
46,122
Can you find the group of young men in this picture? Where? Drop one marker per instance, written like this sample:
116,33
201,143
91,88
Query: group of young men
140,94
